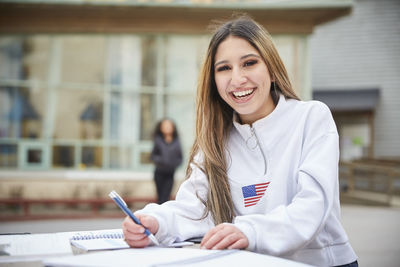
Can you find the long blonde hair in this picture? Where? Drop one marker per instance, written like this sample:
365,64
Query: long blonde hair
214,116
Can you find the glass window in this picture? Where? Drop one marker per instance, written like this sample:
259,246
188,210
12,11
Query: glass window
127,111
92,156
98,103
149,61
181,109
36,56
145,158
24,58
120,157
11,54
124,116
34,156
63,156
8,155
354,136
293,51
82,59
147,116
181,63
21,112
79,115
124,62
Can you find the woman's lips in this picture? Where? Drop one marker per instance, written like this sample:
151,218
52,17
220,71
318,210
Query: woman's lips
243,95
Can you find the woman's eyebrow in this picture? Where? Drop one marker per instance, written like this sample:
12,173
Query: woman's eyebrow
249,55
241,58
220,62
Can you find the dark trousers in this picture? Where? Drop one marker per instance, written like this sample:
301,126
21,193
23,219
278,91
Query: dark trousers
164,181
353,264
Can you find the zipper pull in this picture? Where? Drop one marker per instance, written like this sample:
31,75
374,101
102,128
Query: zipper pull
252,141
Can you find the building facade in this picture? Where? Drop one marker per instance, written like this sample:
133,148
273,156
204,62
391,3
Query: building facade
83,83
356,60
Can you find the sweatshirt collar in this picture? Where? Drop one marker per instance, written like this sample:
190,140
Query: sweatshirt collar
268,121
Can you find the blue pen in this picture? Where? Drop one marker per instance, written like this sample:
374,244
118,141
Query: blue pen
121,203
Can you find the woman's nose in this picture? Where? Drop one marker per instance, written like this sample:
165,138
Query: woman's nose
238,78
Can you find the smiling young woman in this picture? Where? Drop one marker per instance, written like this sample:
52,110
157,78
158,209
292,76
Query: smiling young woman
263,170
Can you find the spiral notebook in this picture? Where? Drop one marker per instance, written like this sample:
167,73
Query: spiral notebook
106,240
99,240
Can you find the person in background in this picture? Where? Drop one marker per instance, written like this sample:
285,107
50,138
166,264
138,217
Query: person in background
263,170
167,156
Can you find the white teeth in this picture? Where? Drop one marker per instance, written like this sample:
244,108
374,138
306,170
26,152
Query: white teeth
243,93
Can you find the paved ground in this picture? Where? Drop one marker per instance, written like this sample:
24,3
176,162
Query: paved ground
374,232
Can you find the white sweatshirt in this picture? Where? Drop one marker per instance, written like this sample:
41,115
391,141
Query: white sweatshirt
283,175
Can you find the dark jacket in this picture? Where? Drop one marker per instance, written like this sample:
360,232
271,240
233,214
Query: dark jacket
167,157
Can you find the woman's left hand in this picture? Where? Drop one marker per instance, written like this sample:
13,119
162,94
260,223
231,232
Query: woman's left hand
224,236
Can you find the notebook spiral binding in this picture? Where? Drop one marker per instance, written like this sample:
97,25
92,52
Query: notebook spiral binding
87,236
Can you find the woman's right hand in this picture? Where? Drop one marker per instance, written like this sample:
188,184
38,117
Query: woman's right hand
134,233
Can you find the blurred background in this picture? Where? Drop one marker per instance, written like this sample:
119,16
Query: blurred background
83,83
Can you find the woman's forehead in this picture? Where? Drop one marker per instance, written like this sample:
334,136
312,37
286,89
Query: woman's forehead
233,47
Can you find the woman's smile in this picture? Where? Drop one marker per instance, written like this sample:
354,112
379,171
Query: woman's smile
244,95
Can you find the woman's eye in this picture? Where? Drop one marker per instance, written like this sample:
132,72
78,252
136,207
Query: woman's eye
223,68
250,63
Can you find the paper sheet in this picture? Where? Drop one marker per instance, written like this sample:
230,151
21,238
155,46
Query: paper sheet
150,256
168,257
99,244
37,244
34,247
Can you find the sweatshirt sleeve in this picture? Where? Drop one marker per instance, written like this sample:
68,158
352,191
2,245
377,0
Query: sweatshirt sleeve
180,156
288,228
183,217
155,155
177,158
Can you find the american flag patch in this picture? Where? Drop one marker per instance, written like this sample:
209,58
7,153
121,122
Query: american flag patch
253,193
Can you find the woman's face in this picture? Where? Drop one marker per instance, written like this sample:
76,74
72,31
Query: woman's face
167,128
243,79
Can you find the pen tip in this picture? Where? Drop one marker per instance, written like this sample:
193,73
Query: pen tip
154,240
